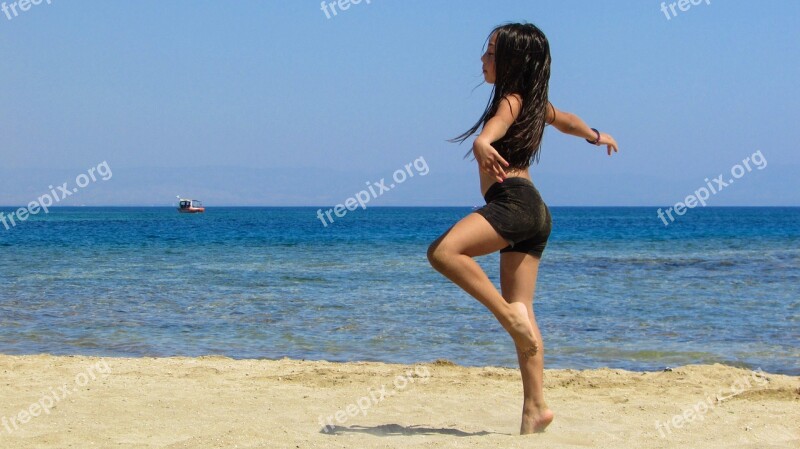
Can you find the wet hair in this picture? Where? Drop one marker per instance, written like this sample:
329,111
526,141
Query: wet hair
522,67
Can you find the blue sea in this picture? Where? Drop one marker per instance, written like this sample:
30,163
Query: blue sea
616,287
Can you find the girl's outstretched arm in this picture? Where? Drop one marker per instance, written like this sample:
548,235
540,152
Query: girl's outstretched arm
571,124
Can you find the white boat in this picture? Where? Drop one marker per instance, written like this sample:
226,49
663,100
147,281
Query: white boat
190,206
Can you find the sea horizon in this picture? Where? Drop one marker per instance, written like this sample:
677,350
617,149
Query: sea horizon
10,207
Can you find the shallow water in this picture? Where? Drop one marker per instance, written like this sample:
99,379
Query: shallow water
616,287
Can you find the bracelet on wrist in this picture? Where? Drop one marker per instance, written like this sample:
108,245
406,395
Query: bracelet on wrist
597,137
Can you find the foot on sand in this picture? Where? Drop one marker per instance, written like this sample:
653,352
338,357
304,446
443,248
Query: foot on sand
535,421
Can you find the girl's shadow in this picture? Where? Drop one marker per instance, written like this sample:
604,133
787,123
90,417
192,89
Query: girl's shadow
386,430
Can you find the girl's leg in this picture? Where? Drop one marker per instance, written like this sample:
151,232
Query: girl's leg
451,254
518,273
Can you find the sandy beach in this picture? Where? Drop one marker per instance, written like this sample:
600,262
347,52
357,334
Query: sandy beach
216,402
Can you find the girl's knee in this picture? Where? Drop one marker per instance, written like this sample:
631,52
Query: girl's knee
437,255
432,256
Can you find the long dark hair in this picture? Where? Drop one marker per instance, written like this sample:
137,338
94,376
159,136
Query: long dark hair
522,67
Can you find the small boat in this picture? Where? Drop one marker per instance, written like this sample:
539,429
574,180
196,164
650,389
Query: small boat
188,206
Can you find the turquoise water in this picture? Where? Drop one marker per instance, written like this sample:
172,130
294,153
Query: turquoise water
616,287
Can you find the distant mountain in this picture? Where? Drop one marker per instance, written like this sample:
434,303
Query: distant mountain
237,186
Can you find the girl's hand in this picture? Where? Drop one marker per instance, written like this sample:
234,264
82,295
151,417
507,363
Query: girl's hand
606,139
489,160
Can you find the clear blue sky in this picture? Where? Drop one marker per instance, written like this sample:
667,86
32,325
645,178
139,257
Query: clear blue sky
273,103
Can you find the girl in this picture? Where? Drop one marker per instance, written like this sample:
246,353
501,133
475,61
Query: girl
514,220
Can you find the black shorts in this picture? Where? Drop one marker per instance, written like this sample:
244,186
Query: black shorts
516,211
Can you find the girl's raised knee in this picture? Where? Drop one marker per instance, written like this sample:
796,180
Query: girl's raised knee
436,256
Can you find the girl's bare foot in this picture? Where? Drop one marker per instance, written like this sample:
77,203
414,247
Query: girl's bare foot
521,330
535,420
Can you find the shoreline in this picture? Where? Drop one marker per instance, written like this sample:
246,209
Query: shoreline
213,401
784,371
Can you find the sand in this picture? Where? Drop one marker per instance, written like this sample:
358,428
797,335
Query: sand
216,402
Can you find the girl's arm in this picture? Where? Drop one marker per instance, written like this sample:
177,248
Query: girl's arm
489,160
571,124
